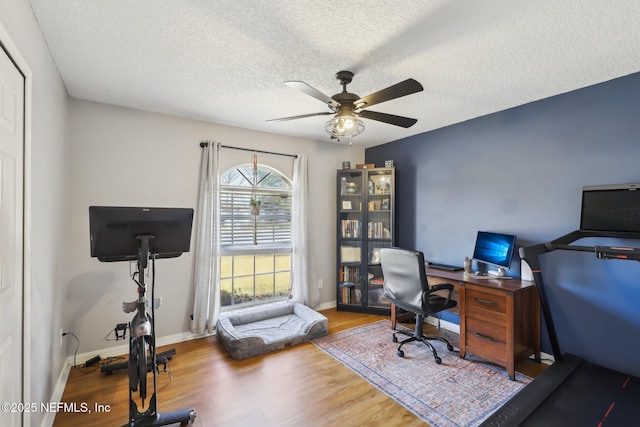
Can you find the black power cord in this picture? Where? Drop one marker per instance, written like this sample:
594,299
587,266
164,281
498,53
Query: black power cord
75,354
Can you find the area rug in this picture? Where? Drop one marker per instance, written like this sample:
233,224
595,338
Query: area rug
458,392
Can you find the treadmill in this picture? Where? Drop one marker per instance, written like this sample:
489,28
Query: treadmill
573,391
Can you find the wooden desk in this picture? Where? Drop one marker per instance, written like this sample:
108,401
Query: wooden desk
499,318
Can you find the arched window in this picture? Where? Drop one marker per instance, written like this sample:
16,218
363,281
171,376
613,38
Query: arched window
255,235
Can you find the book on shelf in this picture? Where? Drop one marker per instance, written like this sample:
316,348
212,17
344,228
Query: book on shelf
346,290
351,228
349,274
375,230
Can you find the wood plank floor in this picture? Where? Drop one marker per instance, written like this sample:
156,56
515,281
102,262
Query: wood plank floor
300,385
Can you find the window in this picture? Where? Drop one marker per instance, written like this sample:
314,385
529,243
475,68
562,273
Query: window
255,235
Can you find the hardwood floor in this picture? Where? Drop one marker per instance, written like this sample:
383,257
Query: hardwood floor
300,385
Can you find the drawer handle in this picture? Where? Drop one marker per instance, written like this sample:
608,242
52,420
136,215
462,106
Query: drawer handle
486,338
484,301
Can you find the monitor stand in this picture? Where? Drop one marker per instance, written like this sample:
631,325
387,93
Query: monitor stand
500,272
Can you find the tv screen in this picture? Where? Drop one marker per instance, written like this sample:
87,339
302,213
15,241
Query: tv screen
611,208
114,231
494,248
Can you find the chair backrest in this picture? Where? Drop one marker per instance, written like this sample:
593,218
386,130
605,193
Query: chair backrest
404,275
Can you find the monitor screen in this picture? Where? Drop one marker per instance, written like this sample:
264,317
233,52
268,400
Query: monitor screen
494,248
114,231
611,208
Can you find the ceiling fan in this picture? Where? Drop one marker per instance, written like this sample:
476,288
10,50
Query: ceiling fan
347,107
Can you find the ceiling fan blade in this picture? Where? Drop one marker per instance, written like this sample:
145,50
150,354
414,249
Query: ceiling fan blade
404,88
284,119
305,88
404,122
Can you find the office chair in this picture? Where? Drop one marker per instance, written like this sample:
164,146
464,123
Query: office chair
405,284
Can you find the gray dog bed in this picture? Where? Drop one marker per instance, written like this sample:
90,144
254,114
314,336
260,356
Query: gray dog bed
259,330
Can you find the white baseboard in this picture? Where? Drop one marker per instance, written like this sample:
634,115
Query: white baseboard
443,323
449,326
545,358
124,348
58,390
325,306
120,350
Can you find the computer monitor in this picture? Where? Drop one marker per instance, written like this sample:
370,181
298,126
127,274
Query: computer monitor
494,249
115,231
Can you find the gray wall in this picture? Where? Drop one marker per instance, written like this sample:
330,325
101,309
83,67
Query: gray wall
46,198
83,153
125,157
521,171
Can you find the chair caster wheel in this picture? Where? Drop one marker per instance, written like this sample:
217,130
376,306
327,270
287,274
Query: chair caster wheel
438,360
395,339
400,353
450,347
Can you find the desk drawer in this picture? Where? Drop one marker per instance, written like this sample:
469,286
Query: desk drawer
486,339
486,301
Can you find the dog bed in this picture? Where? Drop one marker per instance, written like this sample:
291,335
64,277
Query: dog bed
259,330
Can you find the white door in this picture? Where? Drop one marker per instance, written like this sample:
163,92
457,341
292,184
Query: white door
11,239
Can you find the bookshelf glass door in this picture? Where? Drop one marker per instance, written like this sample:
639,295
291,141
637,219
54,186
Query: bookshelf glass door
379,217
350,238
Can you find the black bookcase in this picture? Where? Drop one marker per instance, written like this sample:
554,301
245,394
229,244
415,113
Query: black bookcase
365,223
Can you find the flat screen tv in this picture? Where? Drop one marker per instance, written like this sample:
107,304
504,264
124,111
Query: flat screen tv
494,249
115,231
611,208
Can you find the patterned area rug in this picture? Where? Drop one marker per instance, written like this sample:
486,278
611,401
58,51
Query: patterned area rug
459,392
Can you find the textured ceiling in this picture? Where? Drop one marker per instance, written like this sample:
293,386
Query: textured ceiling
226,61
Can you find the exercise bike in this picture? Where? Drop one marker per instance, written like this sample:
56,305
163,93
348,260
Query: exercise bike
115,231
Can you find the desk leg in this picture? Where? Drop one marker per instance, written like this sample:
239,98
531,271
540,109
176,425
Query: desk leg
462,345
399,317
393,316
511,370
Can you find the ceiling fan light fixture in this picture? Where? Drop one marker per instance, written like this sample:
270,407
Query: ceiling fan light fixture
349,107
343,126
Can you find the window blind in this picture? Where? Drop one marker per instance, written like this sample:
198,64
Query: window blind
238,227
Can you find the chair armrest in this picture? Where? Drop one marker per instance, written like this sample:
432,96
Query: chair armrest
443,287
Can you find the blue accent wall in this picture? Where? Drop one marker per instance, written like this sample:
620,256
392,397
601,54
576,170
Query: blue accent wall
521,171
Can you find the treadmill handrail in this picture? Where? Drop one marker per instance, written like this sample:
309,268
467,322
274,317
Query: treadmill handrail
564,242
530,255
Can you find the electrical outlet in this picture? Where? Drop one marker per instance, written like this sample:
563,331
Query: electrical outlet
61,336
320,284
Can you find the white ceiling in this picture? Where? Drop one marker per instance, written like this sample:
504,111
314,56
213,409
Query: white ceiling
225,61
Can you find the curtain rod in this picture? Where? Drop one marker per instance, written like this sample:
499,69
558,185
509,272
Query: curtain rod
204,144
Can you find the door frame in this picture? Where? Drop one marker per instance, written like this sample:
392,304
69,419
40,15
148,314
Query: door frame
7,44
